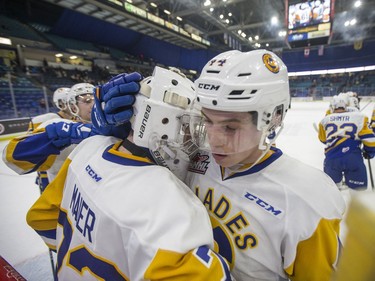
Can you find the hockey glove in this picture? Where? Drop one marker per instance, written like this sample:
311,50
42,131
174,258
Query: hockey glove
64,134
367,155
114,100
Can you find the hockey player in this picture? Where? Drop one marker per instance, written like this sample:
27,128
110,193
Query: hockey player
80,102
47,146
112,214
273,217
344,133
372,122
60,100
262,203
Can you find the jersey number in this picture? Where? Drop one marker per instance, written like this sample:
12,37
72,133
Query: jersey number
348,130
80,258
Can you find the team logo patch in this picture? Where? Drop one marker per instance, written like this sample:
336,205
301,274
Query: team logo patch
199,164
271,63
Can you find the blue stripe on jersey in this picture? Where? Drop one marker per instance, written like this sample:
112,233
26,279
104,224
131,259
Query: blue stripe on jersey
277,153
349,145
50,234
122,160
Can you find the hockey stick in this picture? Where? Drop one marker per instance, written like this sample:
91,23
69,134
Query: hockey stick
316,127
371,178
366,105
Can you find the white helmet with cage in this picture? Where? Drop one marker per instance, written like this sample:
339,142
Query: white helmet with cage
80,89
255,81
60,98
160,121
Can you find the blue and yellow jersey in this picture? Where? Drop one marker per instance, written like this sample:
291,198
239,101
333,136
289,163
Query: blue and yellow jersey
114,216
34,151
275,220
372,121
346,132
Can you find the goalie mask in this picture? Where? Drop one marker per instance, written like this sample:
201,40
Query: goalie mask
60,98
232,84
160,121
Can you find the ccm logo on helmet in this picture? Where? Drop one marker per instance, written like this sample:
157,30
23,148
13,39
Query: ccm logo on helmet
208,86
144,121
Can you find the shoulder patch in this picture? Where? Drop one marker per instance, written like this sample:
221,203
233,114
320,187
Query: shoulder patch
199,164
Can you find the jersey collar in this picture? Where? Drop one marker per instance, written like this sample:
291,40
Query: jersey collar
112,154
245,170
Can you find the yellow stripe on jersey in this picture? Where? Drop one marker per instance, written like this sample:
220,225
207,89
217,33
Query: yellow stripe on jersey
322,133
317,253
336,144
26,166
32,126
44,213
11,147
50,246
168,265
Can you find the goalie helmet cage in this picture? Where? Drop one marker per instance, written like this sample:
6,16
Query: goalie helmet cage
8,272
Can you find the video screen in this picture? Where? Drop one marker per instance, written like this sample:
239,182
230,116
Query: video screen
309,13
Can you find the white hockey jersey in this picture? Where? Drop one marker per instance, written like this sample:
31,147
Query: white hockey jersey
120,217
278,218
37,120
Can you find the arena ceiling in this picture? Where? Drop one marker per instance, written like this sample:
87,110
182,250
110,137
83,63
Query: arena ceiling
252,17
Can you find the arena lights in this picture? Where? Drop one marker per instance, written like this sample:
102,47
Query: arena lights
333,71
357,4
5,41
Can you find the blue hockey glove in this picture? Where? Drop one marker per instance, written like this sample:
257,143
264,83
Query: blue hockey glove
114,100
367,155
64,134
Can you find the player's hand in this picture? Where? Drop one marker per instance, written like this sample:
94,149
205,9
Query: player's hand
367,155
114,100
64,134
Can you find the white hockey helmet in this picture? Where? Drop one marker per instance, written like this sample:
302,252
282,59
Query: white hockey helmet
60,98
353,102
344,96
339,101
160,121
255,81
80,89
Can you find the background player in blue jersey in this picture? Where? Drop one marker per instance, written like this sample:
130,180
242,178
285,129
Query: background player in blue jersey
347,138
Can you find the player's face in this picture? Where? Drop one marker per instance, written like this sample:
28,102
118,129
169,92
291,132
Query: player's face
84,104
232,136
